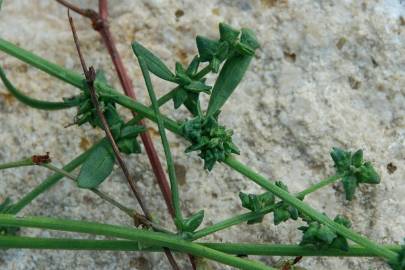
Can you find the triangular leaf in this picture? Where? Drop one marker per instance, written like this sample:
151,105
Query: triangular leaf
228,33
180,95
207,48
368,174
193,66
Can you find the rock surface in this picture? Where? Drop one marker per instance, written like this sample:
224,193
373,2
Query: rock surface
329,73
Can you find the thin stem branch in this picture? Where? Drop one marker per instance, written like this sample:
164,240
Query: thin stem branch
90,75
48,183
22,242
19,163
32,102
144,236
99,193
170,165
140,219
235,220
100,24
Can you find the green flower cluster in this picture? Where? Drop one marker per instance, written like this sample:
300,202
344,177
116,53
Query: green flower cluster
354,170
319,236
231,41
212,140
256,203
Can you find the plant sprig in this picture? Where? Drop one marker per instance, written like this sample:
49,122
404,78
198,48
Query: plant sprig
234,51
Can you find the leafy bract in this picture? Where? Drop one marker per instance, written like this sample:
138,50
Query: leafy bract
97,167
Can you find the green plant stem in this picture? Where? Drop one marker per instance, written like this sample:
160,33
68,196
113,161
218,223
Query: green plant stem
265,183
309,211
102,195
170,165
161,101
253,215
34,103
131,213
144,236
59,72
317,186
47,184
19,163
76,80
22,242
202,72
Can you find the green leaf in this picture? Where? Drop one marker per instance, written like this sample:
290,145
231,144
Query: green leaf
191,103
197,87
341,158
357,158
280,215
100,75
155,65
179,96
131,131
228,79
191,223
340,243
342,220
349,185
97,167
368,174
228,33
248,41
193,66
207,48
1,4
326,235
129,146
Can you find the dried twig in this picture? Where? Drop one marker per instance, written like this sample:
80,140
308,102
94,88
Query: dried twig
100,24
90,75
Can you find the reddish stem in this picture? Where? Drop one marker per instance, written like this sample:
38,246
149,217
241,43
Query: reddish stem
100,24
129,91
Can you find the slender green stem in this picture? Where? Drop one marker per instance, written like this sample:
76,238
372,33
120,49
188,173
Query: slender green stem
19,163
144,236
59,72
203,72
309,211
165,142
253,215
232,222
266,184
35,103
317,186
99,193
76,80
131,213
161,101
47,184
294,250
22,242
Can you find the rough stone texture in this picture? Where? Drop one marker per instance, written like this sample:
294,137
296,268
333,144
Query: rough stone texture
329,73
